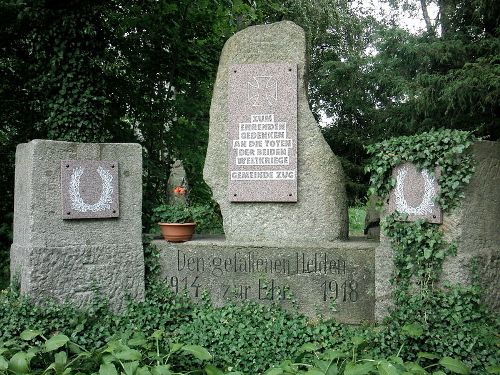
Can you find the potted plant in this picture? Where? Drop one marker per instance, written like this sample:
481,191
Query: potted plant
175,221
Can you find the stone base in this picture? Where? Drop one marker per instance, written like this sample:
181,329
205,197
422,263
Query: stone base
329,279
76,274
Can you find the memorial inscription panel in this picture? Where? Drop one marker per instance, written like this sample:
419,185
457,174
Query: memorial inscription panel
89,189
331,282
415,194
262,133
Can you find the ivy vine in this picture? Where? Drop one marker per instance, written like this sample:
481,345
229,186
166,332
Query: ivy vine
419,252
419,247
446,149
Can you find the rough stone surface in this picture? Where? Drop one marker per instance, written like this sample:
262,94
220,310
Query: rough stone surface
320,213
67,260
316,277
372,218
177,178
89,189
473,227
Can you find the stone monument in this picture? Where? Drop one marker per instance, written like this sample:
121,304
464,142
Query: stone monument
473,226
77,222
260,96
281,192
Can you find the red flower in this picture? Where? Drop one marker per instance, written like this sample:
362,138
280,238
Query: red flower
179,190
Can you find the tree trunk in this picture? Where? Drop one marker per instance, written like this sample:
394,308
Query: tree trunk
425,13
445,10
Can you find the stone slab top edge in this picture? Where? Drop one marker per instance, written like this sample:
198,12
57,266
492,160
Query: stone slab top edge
37,141
219,241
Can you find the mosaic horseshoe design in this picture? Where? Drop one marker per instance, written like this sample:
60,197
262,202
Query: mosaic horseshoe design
105,199
426,205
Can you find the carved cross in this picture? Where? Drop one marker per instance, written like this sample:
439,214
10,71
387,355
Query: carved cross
263,92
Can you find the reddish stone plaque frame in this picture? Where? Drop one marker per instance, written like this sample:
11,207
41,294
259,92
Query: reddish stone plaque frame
89,189
415,193
262,133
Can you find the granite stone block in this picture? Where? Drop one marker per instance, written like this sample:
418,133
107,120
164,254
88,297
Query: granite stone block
67,259
320,211
333,279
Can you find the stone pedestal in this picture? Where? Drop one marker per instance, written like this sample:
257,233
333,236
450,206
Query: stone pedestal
474,227
71,260
328,279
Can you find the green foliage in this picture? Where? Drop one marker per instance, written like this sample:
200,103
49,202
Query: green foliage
178,213
314,360
451,322
356,220
135,355
248,337
419,252
445,149
207,217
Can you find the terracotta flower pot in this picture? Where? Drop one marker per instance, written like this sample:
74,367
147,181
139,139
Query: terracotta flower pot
175,232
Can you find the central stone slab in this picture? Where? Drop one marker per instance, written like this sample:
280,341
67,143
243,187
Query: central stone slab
297,196
332,280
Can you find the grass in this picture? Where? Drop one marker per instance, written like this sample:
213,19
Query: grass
357,220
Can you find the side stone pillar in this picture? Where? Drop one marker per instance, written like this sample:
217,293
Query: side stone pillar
473,226
72,260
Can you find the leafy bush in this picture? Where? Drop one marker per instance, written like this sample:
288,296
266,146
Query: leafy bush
251,338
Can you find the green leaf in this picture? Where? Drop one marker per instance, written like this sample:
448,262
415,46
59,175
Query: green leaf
331,354
212,370
19,363
454,365
415,368
332,370
161,370
107,369
386,368
357,340
29,334
143,371
131,367
138,341
60,361
128,355
427,355
413,330
358,368
4,365
495,369
274,371
197,351
174,347
55,342
157,334
309,347
314,371
427,253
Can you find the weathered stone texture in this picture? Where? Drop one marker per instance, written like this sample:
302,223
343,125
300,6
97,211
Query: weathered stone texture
320,213
311,275
474,227
67,259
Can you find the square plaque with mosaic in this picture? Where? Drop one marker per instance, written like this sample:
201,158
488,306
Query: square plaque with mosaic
89,189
